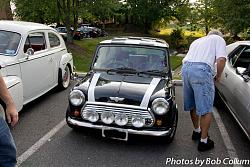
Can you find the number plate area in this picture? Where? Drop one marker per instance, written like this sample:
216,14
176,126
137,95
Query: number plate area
115,133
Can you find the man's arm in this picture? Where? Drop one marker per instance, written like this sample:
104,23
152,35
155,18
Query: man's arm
221,61
11,112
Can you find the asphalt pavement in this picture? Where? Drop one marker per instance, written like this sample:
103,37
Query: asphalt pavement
44,140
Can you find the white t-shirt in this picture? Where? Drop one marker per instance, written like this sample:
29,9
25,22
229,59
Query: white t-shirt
207,49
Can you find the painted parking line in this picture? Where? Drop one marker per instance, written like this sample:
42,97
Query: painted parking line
40,143
226,139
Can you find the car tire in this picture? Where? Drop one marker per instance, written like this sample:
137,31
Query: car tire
168,139
64,78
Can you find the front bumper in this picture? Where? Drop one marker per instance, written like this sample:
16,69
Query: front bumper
130,131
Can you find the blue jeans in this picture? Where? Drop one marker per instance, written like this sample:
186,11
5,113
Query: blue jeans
7,146
198,87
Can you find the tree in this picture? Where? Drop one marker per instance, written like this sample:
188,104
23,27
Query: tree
234,15
41,11
145,13
5,10
203,14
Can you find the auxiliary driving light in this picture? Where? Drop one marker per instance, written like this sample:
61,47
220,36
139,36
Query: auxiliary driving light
138,121
91,116
107,117
121,119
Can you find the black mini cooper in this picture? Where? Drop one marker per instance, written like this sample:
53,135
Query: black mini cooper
128,90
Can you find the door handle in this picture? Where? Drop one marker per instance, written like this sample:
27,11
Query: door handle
226,74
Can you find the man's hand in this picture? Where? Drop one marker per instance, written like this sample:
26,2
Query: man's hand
220,67
11,114
217,79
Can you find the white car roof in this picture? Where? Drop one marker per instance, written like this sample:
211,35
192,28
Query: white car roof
146,41
22,26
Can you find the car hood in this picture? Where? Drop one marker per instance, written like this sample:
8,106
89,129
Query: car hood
123,89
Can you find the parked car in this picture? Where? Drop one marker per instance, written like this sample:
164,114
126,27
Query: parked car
234,88
63,32
33,60
128,90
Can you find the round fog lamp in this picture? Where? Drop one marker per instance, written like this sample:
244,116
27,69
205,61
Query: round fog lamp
107,117
138,121
91,116
121,119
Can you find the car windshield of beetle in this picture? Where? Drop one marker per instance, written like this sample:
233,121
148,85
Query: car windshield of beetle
131,58
9,42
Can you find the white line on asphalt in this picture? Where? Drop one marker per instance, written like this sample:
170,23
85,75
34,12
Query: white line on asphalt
226,139
40,143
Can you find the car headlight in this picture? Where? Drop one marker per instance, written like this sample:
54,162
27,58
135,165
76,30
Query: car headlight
76,98
160,106
121,119
138,121
91,116
107,117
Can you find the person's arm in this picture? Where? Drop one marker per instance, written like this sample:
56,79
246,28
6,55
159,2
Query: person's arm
221,61
11,112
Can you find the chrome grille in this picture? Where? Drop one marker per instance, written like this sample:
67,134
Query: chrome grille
100,107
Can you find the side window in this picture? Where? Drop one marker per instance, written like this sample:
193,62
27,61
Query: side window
233,57
243,58
53,40
35,41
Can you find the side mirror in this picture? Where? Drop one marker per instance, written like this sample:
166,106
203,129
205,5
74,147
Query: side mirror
242,72
30,52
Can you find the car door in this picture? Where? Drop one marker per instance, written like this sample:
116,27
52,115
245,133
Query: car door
241,90
36,69
228,82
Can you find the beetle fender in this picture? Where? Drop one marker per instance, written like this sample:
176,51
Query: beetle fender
66,59
15,87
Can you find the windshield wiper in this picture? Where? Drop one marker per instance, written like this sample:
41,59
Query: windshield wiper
122,70
153,72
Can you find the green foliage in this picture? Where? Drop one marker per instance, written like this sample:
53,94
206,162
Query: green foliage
203,15
177,40
42,11
175,62
146,13
234,15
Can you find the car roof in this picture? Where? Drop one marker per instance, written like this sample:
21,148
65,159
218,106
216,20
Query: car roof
22,26
145,41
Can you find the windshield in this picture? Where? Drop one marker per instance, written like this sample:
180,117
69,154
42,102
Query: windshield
131,57
9,42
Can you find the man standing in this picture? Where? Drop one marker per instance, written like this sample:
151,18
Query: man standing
198,83
7,145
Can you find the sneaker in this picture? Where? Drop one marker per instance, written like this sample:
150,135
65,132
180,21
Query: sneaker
196,135
206,146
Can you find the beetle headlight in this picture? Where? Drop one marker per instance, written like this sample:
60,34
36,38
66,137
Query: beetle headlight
76,98
160,106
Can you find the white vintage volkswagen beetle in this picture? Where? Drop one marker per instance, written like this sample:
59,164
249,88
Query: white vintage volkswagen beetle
33,60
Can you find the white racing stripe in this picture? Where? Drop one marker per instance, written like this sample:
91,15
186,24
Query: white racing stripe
40,143
149,92
226,139
91,91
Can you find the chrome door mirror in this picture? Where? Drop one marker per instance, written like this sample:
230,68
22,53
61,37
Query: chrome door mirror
240,70
243,73
30,52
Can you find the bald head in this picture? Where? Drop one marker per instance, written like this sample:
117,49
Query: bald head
215,32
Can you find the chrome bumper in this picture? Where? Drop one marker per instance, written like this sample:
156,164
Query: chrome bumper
130,131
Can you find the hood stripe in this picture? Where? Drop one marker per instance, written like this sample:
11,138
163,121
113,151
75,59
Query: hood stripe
149,92
91,92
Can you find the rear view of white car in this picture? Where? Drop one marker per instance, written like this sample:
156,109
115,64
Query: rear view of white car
33,60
